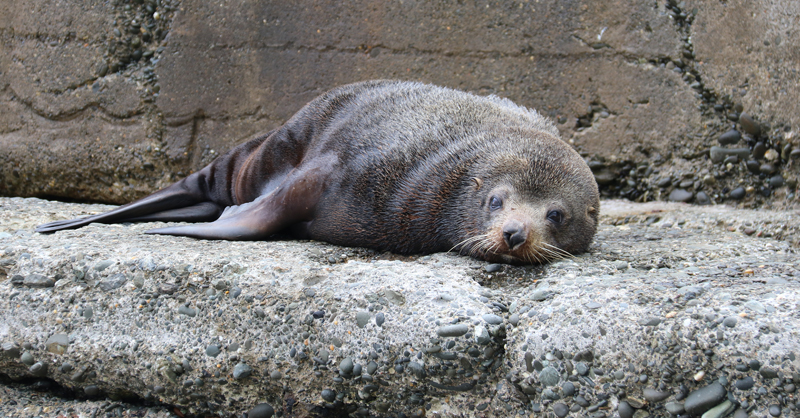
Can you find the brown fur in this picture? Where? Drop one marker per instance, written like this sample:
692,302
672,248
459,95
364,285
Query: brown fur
404,167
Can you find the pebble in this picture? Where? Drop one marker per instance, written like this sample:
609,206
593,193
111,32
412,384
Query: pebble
625,410
740,413
776,181
493,268
379,319
718,154
568,389
738,193
57,343
241,371
37,280
456,330
653,395
346,366
540,294
549,376
492,319
703,399
362,318
753,166
775,410
767,168
720,410
745,383
768,373
514,319
27,358
702,198
212,350
750,125
561,410
328,395
759,149
731,137
730,321
675,408
185,310
102,265
112,283
261,410
91,390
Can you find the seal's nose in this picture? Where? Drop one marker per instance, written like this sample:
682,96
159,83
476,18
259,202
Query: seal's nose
514,233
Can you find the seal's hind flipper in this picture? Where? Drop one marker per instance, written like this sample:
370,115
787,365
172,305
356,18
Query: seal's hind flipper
293,201
175,203
251,221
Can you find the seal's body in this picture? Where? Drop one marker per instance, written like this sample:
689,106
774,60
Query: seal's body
397,166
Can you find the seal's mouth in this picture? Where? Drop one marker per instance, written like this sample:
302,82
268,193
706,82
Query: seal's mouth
511,246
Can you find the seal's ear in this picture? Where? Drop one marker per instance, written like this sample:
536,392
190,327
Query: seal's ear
478,183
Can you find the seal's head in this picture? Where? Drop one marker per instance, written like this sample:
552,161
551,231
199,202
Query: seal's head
537,204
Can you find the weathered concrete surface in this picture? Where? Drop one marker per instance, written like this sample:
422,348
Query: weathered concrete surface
670,300
103,101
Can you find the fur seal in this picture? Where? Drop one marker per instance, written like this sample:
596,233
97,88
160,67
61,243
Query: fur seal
391,165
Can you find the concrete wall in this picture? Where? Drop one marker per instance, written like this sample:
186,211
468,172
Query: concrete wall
108,101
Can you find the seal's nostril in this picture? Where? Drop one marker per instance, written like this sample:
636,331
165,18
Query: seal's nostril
514,234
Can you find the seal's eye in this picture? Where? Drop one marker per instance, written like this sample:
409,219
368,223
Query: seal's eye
495,203
555,216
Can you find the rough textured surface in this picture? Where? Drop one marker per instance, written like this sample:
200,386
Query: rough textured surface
107,101
671,303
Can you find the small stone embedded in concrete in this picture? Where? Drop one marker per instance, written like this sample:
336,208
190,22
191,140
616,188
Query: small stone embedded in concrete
568,389
241,371
114,282
38,280
213,350
346,366
102,265
482,336
680,195
185,310
39,369
745,383
10,350
27,358
729,138
654,395
775,410
417,369
379,319
703,399
560,410
91,390
541,294
721,410
768,373
328,395
549,376
456,330
514,319
675,408
625,410
492,319
362,318
750,125
57,343
261,410
738,193
492,268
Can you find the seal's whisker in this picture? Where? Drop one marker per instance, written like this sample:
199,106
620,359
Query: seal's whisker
469,241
